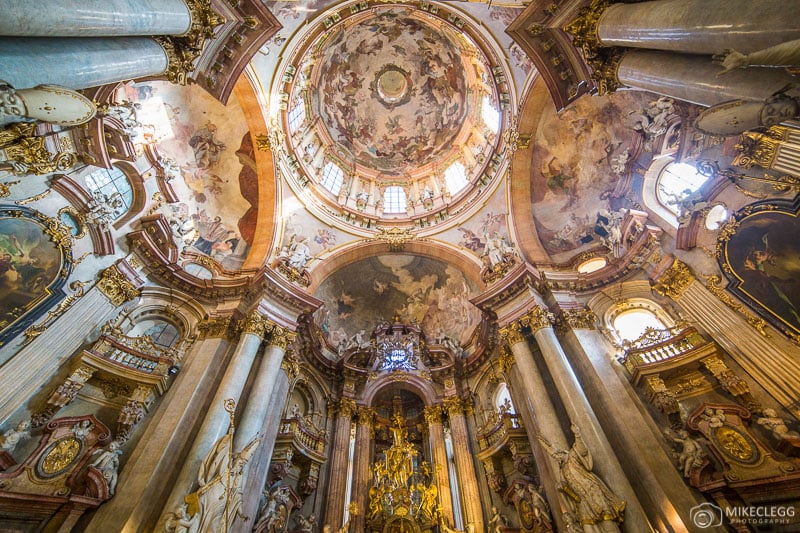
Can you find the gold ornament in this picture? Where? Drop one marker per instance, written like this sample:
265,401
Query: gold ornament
512,334
255,324
116,287
281,337
537,318
433,414
506,360
61,455
674,281
713,285
215,328
576,319
395,237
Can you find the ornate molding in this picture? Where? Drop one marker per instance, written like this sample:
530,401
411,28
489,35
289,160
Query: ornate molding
394,237
291,365
116,286
366,415
713,285
674,282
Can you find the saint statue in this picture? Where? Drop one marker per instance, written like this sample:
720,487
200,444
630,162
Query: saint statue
596,506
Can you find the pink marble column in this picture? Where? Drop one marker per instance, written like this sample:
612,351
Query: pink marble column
433,417
470,495
339,459
362,460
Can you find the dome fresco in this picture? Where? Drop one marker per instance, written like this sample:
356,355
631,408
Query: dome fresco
392,90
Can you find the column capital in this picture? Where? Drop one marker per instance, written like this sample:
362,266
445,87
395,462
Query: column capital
346,407
255,324
366,415
537,318
674,282
280,336
433,414
454,405
506,359
512,334
576,319
215,327
603,60
183,50
116,286
291,365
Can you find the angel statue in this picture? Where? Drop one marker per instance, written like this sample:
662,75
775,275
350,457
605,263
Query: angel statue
596,506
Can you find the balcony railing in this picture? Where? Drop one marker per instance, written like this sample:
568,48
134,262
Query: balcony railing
303,435
660,345
506,423
136,353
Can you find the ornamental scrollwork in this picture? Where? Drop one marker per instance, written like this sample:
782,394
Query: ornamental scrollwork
255,324
537,318
433,414
215,327
512,334
116,286
674,282
713,284
576,319
394,237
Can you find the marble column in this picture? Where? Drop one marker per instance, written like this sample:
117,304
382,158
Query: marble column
533,403
339,458
94,18
362,460
664,493
433,417
470,495
738,332
693,78
699,26
152,463
79,62
258,470
258,400
581,414
216,420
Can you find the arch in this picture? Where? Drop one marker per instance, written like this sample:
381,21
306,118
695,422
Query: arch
467,263
405,381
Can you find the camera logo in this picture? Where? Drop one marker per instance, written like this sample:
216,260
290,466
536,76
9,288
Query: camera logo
706,515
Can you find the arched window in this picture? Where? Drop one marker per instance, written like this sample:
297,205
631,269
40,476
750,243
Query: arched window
490,114
676,182
332,177
632,323
592,265
163,334
456,177
297,114
502,400
394,200
113,184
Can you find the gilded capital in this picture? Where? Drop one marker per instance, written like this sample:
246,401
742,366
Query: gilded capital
512,334
116,286
506,359
433,414
183,50
290,365
281,337
576,319
603,60
366,416
347,407
537,318
674,282
255,324
214,328
756,149
453,405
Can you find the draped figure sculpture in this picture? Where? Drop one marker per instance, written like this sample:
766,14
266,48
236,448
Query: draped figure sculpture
597,508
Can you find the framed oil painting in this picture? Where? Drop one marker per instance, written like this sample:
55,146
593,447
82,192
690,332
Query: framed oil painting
35,262
760,255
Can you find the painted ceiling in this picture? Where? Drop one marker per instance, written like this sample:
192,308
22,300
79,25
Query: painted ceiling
392,89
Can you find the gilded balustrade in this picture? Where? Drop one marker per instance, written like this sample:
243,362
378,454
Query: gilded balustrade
665,347
136,353
303,437
500,431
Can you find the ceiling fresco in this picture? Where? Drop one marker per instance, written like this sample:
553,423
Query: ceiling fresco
434,294
392,90
214,170
570,187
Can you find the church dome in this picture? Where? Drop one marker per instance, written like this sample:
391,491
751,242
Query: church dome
392,112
